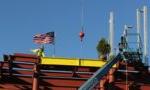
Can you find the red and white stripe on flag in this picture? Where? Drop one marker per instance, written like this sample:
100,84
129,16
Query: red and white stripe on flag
47,38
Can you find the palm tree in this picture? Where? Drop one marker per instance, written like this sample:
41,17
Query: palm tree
103,49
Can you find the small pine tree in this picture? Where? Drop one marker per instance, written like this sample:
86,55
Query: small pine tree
103,48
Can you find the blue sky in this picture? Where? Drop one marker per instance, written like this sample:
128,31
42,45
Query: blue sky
21,19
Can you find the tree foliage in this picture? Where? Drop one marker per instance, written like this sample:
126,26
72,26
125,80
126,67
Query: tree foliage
103,47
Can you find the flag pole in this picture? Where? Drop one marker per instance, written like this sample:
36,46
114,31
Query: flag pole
54,47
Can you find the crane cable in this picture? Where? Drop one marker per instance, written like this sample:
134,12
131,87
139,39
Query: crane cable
81,34
82,15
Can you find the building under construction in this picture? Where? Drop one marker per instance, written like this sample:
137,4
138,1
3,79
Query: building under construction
127,70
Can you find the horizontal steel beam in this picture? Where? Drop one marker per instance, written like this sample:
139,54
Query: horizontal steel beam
72,62
49,77
129,71
28,63
63,71
22,75
49,71
61,77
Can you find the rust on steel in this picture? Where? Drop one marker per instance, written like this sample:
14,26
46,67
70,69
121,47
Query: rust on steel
27,73
20,70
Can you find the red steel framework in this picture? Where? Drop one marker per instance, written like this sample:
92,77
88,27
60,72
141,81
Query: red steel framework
24,72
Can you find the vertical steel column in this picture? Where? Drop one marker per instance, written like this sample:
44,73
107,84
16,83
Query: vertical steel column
1,68
102,84
35,79
145,35
10,63
111,75
36,70
111,31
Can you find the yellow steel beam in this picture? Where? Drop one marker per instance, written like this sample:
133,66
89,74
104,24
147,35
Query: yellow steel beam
72,62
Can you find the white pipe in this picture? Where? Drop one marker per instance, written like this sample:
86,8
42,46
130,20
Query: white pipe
145,35
125,32
111,31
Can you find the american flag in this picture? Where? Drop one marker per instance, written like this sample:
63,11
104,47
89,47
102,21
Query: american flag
47,38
